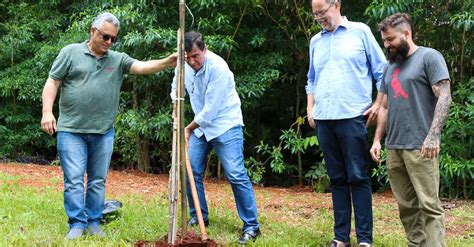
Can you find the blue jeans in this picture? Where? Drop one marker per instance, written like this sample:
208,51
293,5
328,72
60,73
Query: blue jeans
344,145
81,153
229,148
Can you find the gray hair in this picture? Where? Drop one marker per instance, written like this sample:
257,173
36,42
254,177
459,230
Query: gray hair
108,17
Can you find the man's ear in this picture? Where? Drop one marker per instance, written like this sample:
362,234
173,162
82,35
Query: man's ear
407,33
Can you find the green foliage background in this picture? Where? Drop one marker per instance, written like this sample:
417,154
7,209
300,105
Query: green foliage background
265,44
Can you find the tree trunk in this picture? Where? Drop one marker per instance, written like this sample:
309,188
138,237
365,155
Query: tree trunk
298,134
142,145
144,155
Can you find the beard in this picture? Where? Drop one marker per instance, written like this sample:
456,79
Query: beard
400,54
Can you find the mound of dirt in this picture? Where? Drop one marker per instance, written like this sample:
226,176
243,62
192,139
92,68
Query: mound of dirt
191,239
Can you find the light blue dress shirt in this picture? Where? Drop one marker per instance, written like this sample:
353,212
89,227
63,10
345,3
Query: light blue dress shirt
342,64
214,100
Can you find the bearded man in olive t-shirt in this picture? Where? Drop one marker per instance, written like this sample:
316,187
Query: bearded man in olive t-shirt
89,76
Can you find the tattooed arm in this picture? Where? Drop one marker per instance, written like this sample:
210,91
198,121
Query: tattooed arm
431,145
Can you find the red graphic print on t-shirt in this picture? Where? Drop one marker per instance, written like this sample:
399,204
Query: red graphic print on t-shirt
397,86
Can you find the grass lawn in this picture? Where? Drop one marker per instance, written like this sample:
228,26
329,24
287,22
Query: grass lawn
34,216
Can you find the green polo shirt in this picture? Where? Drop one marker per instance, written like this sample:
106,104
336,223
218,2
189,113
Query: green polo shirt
90,88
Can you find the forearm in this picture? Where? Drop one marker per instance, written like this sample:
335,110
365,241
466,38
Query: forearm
310,103
441,113
381,117
49,95
431,145
193,125
381,124
378,100
149,67
153,66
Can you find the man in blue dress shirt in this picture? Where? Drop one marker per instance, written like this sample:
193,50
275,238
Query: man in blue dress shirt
217,124
344,59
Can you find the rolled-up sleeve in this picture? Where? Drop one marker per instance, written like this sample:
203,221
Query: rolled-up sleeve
311,73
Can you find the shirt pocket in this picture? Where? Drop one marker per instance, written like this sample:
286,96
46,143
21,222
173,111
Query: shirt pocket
80,70
351,56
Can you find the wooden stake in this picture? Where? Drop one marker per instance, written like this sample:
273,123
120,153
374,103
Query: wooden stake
173,184
180,116
194,194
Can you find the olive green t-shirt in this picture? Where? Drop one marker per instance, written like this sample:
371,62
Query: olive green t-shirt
90,88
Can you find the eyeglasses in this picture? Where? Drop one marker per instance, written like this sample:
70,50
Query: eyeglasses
322,12
107,37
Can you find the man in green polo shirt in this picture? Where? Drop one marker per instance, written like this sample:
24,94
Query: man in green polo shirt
89,76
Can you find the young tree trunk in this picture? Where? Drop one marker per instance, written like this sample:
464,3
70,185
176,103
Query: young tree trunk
143,149
463,45
464,188
144,154
298,134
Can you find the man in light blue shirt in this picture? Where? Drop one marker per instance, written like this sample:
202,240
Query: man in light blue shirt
217,124
344,59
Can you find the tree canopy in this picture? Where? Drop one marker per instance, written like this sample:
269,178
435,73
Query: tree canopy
266,46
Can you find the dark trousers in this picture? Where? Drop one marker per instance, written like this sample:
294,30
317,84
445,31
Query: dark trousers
344,145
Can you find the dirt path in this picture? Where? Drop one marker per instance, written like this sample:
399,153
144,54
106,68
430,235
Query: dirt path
274,201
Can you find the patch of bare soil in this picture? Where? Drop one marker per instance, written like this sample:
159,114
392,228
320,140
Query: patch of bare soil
191,239
278,203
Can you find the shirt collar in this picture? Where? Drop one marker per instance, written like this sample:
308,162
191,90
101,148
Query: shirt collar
344,23
86,49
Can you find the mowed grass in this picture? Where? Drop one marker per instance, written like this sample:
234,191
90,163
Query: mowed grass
34,216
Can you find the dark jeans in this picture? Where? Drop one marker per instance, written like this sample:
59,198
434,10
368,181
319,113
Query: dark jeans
344,145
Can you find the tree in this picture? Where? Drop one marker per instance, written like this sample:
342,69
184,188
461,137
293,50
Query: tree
266,46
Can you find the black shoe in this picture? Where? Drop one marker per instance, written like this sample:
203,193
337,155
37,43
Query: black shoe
194,222
248,235
334,243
